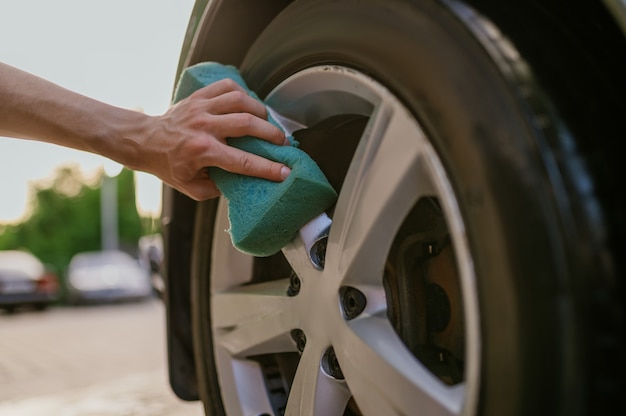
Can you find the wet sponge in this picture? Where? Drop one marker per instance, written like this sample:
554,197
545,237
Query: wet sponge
264,216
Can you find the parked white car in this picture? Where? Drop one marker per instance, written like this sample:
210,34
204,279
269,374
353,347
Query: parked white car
106,276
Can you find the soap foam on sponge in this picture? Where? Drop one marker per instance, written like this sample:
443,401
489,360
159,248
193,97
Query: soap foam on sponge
264,216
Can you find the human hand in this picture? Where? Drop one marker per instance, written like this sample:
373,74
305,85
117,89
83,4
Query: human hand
177,146
191,136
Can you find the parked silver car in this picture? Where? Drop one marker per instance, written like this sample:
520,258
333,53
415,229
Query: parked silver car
24,281
106,276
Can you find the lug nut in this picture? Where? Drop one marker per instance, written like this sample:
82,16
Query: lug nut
330,364
318,253
353,302
300,339
294,285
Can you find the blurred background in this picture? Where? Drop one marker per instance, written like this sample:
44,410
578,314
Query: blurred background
79,235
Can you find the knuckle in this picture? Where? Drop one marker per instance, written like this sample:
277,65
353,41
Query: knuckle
245,161
196,147
239,96
196,93
230,84
203,122
196,107
247,120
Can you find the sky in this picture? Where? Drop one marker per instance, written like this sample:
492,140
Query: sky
122,52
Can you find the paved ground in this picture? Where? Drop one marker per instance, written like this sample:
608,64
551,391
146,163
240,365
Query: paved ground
87,361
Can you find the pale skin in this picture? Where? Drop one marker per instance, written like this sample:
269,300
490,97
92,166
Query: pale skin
177,146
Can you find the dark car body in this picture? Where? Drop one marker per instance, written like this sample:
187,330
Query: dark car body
24,281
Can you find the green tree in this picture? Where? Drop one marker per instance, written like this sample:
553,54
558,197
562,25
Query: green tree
65,219
129,222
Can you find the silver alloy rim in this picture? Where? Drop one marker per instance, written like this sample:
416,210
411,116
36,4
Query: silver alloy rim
393,167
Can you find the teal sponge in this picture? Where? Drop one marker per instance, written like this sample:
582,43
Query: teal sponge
264,216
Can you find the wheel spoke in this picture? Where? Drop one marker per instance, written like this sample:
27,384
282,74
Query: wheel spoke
255,319
295,253
385,378
241,378
233,268
313,392
384,181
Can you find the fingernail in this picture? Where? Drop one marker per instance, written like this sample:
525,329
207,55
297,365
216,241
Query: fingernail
284,172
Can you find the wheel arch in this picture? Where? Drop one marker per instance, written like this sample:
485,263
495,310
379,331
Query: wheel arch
209,24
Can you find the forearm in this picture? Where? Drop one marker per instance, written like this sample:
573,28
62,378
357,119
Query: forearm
176,146
33,108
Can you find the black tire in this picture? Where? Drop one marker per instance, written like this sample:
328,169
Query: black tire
206,373
40,307
10,309
534,225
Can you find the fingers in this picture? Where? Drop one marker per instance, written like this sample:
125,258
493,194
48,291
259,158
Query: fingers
238,161
236,102
244,124
202,122
218,88
240,114
226,96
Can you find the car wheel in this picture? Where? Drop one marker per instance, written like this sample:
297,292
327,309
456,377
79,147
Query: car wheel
454,277
40,307
10,309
